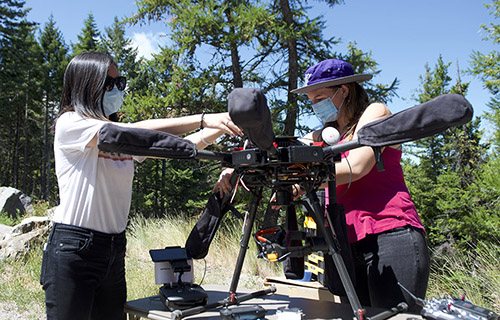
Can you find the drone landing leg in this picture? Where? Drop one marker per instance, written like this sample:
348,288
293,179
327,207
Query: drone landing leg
334,250
248,225
233,299
179,314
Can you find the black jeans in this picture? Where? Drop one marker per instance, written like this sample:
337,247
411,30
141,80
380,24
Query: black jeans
382,260
83,274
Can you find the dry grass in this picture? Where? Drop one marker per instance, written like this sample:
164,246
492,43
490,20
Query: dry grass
19,283
19,279
477,275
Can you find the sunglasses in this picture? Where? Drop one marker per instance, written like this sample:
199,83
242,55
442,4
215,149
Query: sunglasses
121,83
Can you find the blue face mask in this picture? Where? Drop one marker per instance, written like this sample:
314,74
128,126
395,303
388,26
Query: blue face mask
112,101
325,110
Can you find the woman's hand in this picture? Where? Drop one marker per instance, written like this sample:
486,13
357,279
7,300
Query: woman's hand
297,191
223,122
224,182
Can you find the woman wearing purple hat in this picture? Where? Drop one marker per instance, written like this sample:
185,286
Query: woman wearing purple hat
386,235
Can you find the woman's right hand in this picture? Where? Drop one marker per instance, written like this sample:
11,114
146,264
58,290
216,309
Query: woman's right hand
297,191
223,122
224,182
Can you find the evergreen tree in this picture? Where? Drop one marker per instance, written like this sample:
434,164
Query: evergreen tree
120,48
29,65
443,180
11,11
435,83
208,37
89,39
158,183
11,14
298,38
220,45
279,40
487,67
19,96
55,60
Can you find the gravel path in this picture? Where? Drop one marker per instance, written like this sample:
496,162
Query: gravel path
8,311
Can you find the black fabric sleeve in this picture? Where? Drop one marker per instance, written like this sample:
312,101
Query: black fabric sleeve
424,120
248,109
144,142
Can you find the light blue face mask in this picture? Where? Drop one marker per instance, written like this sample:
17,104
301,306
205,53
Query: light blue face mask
112,101
325,110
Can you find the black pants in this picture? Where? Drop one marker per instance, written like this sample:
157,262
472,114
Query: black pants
382,260
83,274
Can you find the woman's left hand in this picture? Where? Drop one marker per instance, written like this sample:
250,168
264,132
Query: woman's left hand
224,182
223,122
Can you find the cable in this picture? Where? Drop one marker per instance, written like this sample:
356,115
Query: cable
350,177
204,271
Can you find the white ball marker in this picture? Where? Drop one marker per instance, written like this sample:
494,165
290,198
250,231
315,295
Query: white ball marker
330,135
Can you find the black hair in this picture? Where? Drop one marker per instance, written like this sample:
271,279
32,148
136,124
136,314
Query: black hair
83,85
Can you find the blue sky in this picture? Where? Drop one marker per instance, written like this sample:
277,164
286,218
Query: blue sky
402,36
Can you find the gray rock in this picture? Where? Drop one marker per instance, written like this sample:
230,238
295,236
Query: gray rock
22,237
14,202
4,230
30,224
50,213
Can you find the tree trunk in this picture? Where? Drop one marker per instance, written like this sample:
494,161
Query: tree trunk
235,60
15,167
26,139
45,160
293,72
49,165
235,57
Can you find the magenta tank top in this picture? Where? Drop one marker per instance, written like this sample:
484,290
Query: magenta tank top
379,201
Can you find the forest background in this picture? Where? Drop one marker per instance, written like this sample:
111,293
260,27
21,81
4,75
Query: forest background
214,47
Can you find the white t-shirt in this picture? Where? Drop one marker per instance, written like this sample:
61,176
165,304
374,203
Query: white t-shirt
95,187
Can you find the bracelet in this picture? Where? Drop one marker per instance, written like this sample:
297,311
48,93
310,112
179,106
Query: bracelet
202,139
201,120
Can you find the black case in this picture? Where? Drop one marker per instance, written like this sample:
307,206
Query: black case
183,296
246,312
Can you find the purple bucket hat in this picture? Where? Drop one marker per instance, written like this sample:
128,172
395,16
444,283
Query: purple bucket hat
330,73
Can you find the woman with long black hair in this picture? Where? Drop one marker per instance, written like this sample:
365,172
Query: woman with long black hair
83,268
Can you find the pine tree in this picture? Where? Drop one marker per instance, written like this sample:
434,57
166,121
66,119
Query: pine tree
209,37
486,66
444,174
89,39
279,41
220,45
55,60
121,49
19,96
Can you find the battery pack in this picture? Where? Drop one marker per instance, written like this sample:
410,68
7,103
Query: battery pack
243,313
